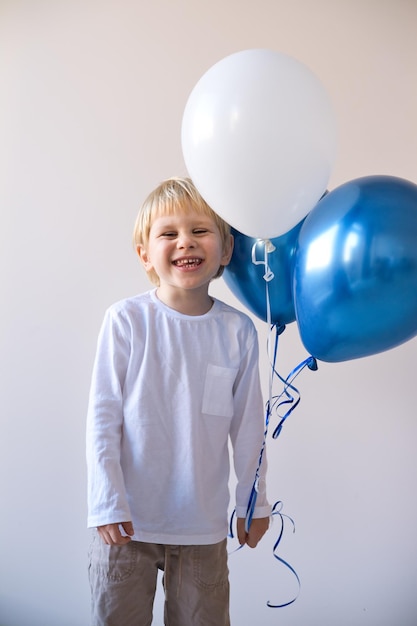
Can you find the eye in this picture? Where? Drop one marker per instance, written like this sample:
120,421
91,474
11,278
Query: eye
170,234
200,231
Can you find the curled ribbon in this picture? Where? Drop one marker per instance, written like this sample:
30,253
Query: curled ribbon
289,396
276,510
274,403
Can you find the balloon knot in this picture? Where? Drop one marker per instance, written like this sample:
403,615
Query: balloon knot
279,328
269,246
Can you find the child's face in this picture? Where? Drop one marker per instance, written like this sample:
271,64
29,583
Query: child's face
185,250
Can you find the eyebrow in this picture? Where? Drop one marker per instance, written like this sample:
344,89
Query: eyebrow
166,222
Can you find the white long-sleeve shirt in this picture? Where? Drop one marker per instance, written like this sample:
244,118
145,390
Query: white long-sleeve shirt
167,392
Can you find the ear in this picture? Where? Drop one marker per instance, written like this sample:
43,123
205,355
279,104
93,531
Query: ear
144,257
228,251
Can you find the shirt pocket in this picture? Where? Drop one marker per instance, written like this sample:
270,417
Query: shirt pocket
218,390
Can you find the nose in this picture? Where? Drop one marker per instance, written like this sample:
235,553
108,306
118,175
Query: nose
185,240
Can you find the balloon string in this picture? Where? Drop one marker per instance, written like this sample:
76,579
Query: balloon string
276,510
274,403
290,399
268,248
268,276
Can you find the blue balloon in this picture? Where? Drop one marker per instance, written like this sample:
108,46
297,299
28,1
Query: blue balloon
246,279
355,276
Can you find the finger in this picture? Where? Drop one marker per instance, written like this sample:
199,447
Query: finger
128,528
241,532
105,536
242,538
111,535
252,541
117,539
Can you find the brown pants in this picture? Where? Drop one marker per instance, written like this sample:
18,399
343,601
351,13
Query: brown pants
123,583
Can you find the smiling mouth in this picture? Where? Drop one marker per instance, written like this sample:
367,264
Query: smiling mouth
188,263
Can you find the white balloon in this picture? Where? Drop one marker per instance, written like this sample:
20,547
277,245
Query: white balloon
259,141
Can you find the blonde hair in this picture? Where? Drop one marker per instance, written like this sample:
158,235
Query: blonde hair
172,196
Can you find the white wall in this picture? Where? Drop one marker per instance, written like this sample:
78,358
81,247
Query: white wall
91,106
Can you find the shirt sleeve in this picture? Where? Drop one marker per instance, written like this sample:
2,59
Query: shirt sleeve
247,434
107,501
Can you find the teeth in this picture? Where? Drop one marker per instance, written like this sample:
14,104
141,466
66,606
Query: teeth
188,262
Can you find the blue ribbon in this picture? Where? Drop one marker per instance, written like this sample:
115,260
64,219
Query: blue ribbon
289,396
309,362
277,511
273,404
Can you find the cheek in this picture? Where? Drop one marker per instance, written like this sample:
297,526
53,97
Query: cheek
160,253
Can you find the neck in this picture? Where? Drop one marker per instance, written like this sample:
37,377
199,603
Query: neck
187,302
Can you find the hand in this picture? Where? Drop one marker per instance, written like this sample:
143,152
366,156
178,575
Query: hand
257,529
110,533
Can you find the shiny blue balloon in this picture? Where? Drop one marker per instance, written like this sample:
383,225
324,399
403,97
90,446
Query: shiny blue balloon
355,276
246,279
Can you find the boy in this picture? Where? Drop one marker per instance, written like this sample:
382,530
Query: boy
175,376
